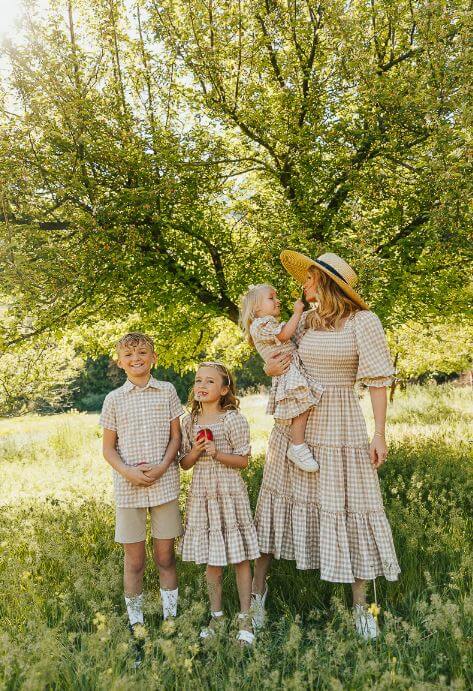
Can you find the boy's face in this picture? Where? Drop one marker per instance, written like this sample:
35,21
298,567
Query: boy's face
136,360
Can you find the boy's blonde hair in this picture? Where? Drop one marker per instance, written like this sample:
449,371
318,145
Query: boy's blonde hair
249,302
133,339
227,402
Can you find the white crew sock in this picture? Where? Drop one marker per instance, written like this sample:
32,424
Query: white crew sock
169,600
134,606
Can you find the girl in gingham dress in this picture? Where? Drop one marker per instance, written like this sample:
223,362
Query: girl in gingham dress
333,520
293,394
219,526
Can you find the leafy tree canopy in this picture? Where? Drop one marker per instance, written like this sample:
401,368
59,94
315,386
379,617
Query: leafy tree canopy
157,157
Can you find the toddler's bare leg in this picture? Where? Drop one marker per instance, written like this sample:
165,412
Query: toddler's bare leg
213,575
298,426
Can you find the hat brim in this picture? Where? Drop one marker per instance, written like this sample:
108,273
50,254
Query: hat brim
298,264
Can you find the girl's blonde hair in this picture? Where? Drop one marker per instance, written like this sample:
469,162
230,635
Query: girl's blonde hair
249,303
228,401
333,304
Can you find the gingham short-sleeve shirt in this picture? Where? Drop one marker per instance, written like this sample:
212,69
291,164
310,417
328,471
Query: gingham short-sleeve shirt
142,417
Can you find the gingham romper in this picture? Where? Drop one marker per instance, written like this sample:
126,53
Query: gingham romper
293,392
219,527
332,520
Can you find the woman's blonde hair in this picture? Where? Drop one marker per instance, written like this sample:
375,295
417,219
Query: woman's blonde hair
249,303
333,305
228,401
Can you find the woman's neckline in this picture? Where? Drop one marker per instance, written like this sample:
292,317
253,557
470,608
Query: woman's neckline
330,331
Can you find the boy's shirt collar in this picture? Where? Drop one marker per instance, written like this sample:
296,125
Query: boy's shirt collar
129,386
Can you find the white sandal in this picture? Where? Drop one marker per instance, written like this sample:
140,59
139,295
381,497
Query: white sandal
258,611
217,620
243,635
365,623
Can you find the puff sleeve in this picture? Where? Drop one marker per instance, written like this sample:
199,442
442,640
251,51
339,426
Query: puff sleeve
186,440
237,431
108,416
374,361
265,330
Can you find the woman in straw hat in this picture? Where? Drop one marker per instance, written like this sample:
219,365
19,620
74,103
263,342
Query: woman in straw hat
333,520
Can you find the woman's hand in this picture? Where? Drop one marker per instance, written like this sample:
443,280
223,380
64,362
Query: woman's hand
378,451
277,364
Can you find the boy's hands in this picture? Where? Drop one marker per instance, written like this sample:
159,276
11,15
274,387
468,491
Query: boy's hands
154,471
137,476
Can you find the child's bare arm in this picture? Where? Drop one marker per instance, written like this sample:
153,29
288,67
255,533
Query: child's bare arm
191,458
289,328
156,471
111,455
231,460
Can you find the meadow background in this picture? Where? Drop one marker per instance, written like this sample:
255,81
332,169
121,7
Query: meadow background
62,617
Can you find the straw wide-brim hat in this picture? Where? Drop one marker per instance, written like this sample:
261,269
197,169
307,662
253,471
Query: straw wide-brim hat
297,265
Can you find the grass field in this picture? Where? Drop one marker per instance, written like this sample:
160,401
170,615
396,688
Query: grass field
62,623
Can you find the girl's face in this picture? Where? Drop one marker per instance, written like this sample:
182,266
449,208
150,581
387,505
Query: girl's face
209,385
310,287
269,303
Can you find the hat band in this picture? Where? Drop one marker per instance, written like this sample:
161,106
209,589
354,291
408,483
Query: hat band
332,270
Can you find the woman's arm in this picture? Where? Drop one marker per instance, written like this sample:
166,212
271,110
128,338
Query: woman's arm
378,448
277,364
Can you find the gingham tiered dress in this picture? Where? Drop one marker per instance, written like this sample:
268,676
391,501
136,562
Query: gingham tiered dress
332,520
219,527
293,392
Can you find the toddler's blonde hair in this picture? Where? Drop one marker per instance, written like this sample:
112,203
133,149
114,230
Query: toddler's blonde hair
249,302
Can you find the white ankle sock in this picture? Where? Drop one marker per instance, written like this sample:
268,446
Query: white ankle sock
169,600
218,614
134,607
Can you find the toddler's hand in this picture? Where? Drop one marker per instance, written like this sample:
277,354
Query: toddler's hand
210,448
299,306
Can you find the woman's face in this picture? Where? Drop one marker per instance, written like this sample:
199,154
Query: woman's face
310,287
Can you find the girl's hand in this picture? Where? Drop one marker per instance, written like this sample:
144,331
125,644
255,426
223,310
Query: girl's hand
277,364
378,451
299,306
210,448
198,447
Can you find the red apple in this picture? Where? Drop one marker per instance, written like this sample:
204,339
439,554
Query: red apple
205,434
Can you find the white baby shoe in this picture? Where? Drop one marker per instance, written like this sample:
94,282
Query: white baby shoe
365,623
301,456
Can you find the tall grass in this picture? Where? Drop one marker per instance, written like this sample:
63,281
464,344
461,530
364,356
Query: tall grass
61,610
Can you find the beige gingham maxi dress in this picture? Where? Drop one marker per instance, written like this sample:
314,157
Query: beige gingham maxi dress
332,520
293,392
219,527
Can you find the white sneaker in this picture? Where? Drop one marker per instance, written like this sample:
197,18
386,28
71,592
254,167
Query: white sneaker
258,611
302,458
365,623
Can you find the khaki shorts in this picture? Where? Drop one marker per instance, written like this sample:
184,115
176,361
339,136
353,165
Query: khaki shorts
131,523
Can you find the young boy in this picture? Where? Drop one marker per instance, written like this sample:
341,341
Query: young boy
141,438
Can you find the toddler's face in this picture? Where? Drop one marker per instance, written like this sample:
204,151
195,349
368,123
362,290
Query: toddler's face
269,303
209,385
136,360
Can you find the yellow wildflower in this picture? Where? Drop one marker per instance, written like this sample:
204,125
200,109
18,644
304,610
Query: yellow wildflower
374,610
